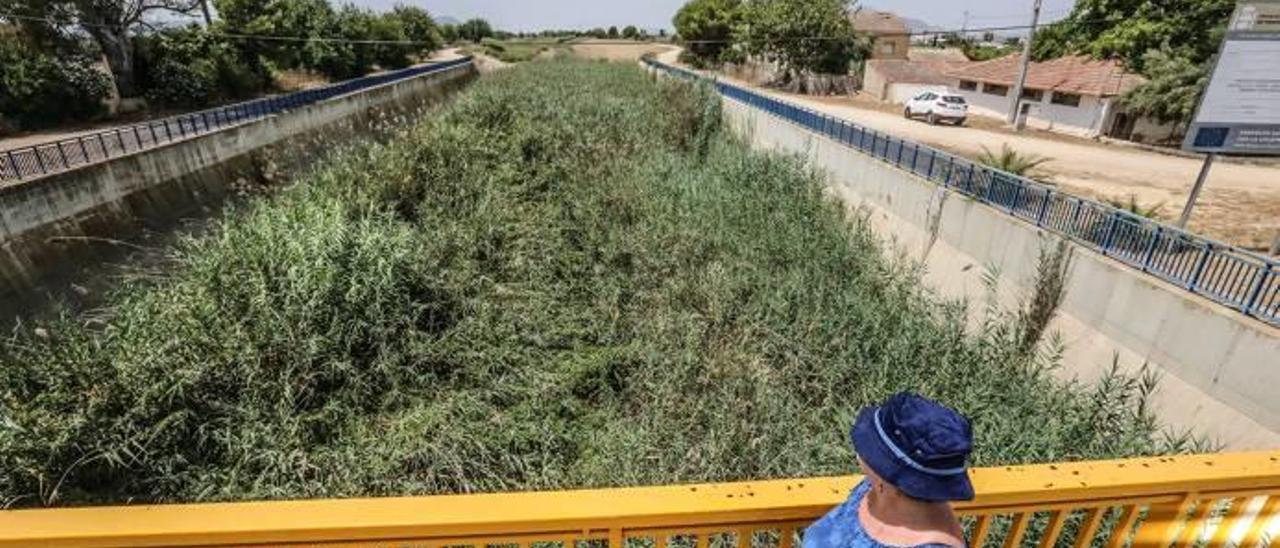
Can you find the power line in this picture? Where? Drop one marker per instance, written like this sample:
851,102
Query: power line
938,32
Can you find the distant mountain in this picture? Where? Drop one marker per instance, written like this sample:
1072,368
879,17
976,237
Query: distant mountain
446,20
917,25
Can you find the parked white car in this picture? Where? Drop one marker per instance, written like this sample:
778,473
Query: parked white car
938,105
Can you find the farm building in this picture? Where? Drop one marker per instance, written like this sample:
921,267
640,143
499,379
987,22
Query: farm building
1072,94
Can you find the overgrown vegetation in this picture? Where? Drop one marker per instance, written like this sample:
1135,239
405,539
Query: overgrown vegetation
569,277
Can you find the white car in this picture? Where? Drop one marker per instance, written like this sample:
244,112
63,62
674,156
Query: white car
937,106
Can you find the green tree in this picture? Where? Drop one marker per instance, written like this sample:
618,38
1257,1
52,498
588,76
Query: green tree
1128,29
109,23
475,30
802,35
449,33
294,18
192,67
40,89
419,26
613,32
1172,90
630,32
707,28
1170,42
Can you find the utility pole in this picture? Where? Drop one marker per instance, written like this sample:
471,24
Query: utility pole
1026,62
208,17
964,29
1195,191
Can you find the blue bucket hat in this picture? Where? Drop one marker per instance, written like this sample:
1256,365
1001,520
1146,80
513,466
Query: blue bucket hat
917,445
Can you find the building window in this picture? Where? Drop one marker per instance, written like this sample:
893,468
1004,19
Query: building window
968,85
888,48
1068,99
1033,95
995,89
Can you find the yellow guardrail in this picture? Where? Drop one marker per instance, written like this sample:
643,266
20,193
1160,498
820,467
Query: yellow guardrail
1209,500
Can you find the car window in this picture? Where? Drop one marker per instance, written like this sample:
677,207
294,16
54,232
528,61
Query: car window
953,99
927,97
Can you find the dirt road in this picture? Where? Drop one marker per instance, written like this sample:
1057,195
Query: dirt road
1240,204
614,51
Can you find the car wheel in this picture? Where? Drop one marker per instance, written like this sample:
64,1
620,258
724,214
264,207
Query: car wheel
959,122
933,119
906,113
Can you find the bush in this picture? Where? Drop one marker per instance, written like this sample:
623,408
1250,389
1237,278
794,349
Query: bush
39,89
191,67
569,277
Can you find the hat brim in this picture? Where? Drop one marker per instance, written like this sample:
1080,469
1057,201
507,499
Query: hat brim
915,483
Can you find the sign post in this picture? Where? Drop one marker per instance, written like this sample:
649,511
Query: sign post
1240,110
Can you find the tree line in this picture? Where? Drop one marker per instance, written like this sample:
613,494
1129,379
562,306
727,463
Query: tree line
1170,42
800,36
50,50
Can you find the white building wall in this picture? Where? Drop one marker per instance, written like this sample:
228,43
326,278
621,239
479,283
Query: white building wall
1085,119
900,93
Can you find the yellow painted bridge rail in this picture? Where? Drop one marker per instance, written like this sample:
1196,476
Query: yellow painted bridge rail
1209,500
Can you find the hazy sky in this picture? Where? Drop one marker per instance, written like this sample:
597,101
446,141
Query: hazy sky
653,14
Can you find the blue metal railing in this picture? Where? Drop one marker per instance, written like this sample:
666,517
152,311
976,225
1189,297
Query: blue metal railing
1226,274
65,154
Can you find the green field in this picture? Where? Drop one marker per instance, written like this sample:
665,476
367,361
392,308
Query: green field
568,277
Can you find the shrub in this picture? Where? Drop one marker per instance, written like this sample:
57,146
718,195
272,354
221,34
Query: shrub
39,89
1012,161
191,67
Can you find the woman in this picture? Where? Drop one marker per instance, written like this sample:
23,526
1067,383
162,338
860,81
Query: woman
913,452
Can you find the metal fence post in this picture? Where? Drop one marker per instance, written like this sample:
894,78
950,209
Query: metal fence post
102,143
1264,272
951,168
66,164
1075,217
1044,207
13,164
1111,233
83,149
1194,282
39,160
152,127
120,137
915,155
1151,248
137,136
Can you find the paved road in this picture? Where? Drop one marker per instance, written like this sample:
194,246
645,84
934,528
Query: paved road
1241,203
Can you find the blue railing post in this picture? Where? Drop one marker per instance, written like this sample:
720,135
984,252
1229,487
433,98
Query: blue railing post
1017,193
1113,220
1044,207
915,155
1151,248
1264,272
951,169
1194,283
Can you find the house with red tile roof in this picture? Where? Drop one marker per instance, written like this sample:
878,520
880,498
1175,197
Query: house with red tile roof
1072,94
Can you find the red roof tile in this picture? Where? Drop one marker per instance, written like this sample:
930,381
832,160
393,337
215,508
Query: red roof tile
1071,74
